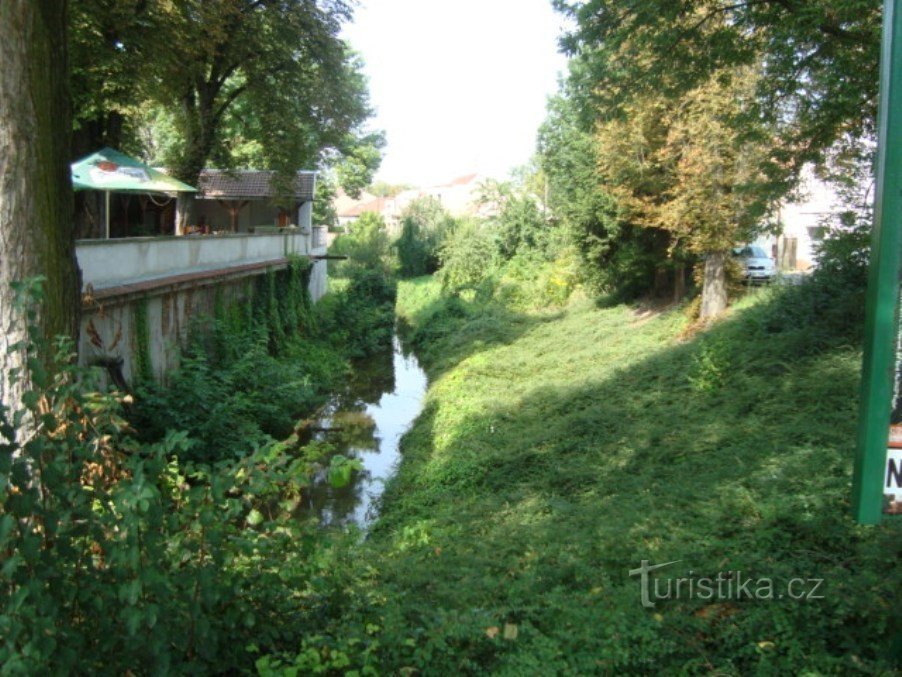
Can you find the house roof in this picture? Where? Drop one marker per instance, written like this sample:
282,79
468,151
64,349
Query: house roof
463,180
376,204
249,184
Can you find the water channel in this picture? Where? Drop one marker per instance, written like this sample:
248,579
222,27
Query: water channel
366,421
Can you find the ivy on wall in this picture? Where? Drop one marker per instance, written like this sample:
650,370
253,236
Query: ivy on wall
277,303
143,363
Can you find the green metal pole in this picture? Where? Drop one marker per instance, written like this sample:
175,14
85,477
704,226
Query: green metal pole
881,323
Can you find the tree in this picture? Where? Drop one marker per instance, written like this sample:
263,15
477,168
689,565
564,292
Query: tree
721,193
515,217
264,83
617,255
366,245
385,189
324,213
692,172
110,48
818,60
302,91
467,256
35,189
424,226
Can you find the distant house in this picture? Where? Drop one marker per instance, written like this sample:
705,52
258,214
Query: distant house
241,201
804,222
349,210
459,197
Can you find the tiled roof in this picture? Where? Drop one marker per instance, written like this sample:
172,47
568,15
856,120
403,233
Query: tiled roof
375,205
249,184
463,180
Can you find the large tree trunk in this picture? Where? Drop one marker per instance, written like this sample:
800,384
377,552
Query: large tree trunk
35,188
714,287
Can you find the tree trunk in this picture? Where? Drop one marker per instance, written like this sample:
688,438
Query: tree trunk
714,288
679,282
35,189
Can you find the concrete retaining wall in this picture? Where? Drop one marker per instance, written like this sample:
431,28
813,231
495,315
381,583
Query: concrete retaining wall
164,286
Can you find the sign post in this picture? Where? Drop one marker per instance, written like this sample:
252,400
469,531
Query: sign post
876,490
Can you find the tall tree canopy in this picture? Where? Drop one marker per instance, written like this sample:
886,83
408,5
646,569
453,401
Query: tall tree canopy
818,59
267,82
698,115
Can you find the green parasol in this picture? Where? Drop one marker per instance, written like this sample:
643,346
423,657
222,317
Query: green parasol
111,171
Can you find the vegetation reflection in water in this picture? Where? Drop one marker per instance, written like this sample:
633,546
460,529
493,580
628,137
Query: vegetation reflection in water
365,421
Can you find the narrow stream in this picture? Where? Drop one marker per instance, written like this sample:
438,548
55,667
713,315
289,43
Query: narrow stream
366,421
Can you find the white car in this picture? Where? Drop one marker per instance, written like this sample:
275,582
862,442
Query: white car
757,266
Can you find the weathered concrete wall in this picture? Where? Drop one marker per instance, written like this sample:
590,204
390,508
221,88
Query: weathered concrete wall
111,331
143,295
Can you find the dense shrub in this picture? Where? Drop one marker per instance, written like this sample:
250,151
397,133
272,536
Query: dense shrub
360,318
521,228
119,558
468,256
366,245
229,407
843,254
424,226
252,372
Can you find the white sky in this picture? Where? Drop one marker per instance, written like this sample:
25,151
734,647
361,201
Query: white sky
458,86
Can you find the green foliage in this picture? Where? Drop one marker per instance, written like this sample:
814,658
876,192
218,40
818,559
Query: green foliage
241,84
367,246
143,366
691,120
521,228
710,367
424,226
557,451
121,558
844,252
323,206
360,162
616,257
251,372
384,189
468,256
360,318
818,61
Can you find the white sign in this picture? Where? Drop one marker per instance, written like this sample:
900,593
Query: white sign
892,482
893,479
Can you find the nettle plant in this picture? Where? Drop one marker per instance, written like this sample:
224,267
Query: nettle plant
116,556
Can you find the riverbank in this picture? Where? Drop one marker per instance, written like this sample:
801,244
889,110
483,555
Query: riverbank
559,450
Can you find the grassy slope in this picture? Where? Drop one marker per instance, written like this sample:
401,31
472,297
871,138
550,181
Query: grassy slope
557,451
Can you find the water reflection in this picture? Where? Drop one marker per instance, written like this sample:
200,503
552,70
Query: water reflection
366,421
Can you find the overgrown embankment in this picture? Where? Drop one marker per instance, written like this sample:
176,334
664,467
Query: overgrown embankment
170,543
558,450
257,366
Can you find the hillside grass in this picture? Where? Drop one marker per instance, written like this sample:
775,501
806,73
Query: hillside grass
559,449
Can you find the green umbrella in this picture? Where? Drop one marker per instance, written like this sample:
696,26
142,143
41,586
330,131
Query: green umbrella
111,171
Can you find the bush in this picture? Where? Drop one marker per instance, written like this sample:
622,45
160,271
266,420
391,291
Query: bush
424,227
468,256
844,253
119,558
366,246
247,375
360,318
230,408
